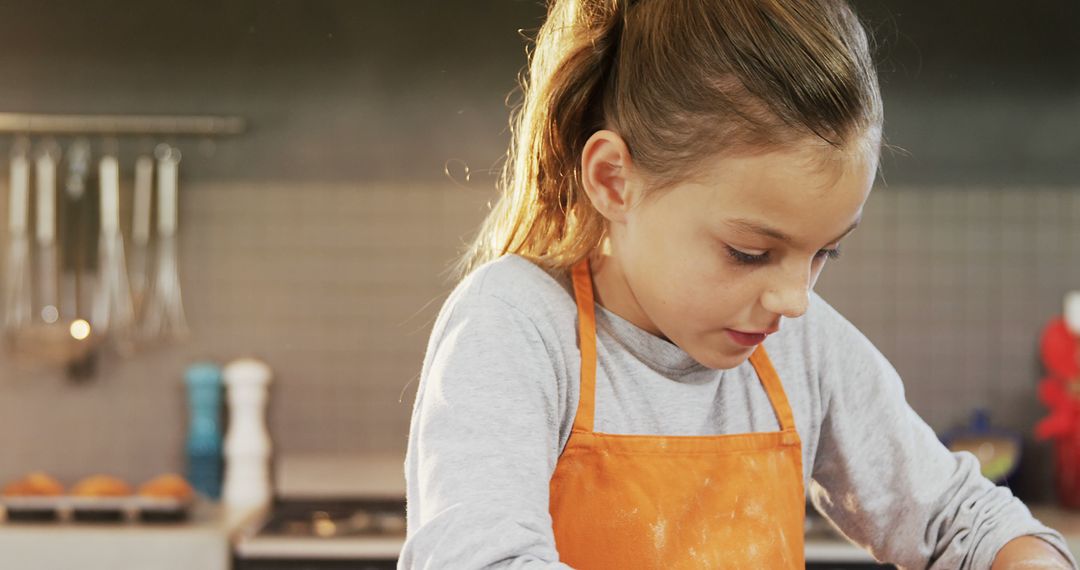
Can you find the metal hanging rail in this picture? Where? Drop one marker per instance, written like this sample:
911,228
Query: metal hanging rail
24,123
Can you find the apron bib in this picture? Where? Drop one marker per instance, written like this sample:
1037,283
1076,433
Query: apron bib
649,501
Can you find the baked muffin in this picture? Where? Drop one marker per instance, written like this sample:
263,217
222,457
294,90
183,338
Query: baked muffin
167,486
36,484
101,486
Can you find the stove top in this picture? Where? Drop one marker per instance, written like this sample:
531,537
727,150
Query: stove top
330,511
330,519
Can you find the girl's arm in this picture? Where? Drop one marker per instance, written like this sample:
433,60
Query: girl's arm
483,443
889,484
1029,552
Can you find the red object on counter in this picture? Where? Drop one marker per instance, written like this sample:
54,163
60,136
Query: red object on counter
1067,471
1060,391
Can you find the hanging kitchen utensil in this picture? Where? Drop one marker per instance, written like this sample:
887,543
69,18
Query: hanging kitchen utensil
74,343
112,314
46,299
163,317
140,230
76,233
48,336
17,299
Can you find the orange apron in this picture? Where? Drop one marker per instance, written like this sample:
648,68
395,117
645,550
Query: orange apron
651,501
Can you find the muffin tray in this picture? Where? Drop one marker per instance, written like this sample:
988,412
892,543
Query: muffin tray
65,508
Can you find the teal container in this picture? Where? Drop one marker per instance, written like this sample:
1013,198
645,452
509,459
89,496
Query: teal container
204,439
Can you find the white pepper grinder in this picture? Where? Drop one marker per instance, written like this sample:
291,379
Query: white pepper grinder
246,487
1072,312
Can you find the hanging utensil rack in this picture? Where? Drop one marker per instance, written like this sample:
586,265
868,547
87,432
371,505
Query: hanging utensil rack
24,126
205,125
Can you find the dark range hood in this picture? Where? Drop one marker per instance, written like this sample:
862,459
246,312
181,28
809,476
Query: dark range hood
979,93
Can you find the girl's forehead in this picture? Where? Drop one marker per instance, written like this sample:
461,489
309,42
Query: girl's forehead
805,170
784,188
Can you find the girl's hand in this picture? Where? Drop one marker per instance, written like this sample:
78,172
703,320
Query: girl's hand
1029,552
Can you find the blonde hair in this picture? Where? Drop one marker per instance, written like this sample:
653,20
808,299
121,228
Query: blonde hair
680,81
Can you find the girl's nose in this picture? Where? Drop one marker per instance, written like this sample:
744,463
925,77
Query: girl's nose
790,297
791,303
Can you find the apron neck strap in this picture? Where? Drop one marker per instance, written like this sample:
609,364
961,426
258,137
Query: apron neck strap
771,381
583,294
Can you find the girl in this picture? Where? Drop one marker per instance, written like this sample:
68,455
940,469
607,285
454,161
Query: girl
636,372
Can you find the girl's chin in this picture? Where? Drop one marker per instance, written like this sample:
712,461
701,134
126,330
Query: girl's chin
723,357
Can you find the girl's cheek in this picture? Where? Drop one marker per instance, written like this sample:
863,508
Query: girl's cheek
721,271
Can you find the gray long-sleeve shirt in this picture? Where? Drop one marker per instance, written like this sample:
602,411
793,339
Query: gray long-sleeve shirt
499,389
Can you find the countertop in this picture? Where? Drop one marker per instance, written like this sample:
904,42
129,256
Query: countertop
827,546
822,543
204,542
201,542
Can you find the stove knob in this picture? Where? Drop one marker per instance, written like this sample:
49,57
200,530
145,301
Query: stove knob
391,522
361,521
322,524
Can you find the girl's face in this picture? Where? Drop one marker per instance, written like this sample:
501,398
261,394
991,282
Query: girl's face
737,248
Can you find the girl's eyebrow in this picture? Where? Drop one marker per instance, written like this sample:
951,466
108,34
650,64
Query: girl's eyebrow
748,225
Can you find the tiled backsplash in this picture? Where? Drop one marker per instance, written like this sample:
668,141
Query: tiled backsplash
336,287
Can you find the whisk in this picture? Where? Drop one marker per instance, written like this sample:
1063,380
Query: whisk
140,230
17,299
47,300
112,312
163,315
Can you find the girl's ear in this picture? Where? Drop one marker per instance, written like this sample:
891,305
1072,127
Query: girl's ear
605,170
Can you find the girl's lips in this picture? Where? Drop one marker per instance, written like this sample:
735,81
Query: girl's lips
746,339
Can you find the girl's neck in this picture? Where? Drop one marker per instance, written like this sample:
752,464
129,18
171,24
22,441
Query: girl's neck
611,290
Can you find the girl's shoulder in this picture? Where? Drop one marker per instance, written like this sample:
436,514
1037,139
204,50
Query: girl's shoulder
818,340
512,274
516,282
834,331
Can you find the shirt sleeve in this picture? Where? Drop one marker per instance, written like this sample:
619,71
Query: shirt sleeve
483,443
885,480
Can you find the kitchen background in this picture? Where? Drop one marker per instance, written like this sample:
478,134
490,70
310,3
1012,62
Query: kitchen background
319,239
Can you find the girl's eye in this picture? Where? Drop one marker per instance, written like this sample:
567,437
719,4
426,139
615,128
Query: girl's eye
749,259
